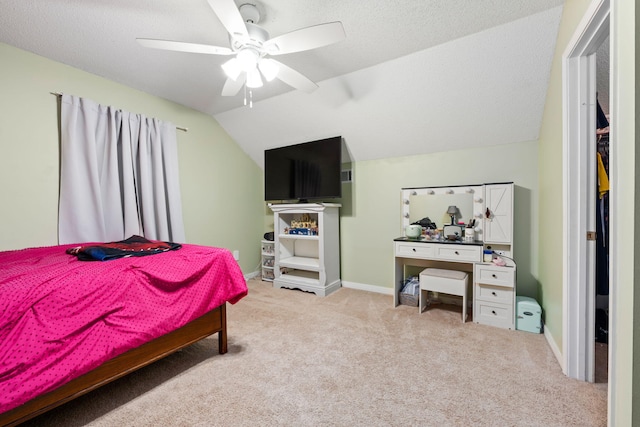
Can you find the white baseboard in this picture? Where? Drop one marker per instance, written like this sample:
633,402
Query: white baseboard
554,347
368,288
251,275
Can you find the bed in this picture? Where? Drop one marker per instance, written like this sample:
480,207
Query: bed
68,326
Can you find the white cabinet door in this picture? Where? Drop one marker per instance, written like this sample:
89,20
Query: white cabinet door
498,221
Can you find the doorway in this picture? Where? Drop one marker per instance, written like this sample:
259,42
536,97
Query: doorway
579,184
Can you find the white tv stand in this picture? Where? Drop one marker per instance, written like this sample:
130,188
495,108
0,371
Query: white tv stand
307,262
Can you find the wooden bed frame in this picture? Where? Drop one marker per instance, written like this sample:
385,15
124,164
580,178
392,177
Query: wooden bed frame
208,324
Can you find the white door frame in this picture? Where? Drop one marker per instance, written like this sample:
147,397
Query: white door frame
579,185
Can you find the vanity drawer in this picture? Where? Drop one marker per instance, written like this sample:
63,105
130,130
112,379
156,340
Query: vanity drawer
414,250
499,315
494,294
460,253
491,275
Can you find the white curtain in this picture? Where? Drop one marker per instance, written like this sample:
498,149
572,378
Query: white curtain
118,177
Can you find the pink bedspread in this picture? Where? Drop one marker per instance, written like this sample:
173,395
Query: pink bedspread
60,317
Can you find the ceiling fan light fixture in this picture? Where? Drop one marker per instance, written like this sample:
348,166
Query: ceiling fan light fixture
253,79
232,68
248,59
269,68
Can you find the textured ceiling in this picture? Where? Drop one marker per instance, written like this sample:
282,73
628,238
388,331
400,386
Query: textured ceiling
413,76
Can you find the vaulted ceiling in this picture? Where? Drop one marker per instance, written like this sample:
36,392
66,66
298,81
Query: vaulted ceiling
411,77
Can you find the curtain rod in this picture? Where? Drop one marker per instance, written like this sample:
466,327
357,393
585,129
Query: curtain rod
177,127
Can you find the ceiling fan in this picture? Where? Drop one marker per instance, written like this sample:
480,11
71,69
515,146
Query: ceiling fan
252,48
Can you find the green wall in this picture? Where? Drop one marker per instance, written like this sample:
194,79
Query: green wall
371,206
221,186
551,197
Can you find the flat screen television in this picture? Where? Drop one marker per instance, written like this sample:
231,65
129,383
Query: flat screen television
303,172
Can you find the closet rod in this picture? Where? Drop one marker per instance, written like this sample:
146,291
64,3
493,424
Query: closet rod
177,127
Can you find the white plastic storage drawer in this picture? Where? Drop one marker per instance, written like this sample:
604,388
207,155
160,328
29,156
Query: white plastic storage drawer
499,276
495,314
460,253
414,250
496,294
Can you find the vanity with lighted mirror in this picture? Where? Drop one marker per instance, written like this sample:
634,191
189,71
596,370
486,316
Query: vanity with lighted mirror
482,219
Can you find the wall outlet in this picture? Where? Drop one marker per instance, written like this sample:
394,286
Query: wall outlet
501,253
236,255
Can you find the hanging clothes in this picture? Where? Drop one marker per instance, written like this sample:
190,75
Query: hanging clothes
601,118
602,214
603,179
602,246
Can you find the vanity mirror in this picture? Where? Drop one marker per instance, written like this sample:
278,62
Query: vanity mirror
434,202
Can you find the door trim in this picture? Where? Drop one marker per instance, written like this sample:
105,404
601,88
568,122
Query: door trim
579,185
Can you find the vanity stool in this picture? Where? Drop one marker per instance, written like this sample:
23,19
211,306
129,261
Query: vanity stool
444,281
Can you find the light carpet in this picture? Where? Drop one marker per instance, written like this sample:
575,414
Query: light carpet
349,359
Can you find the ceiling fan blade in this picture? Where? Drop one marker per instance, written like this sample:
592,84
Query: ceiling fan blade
294,79
185,47
306,38
229,16
231,87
